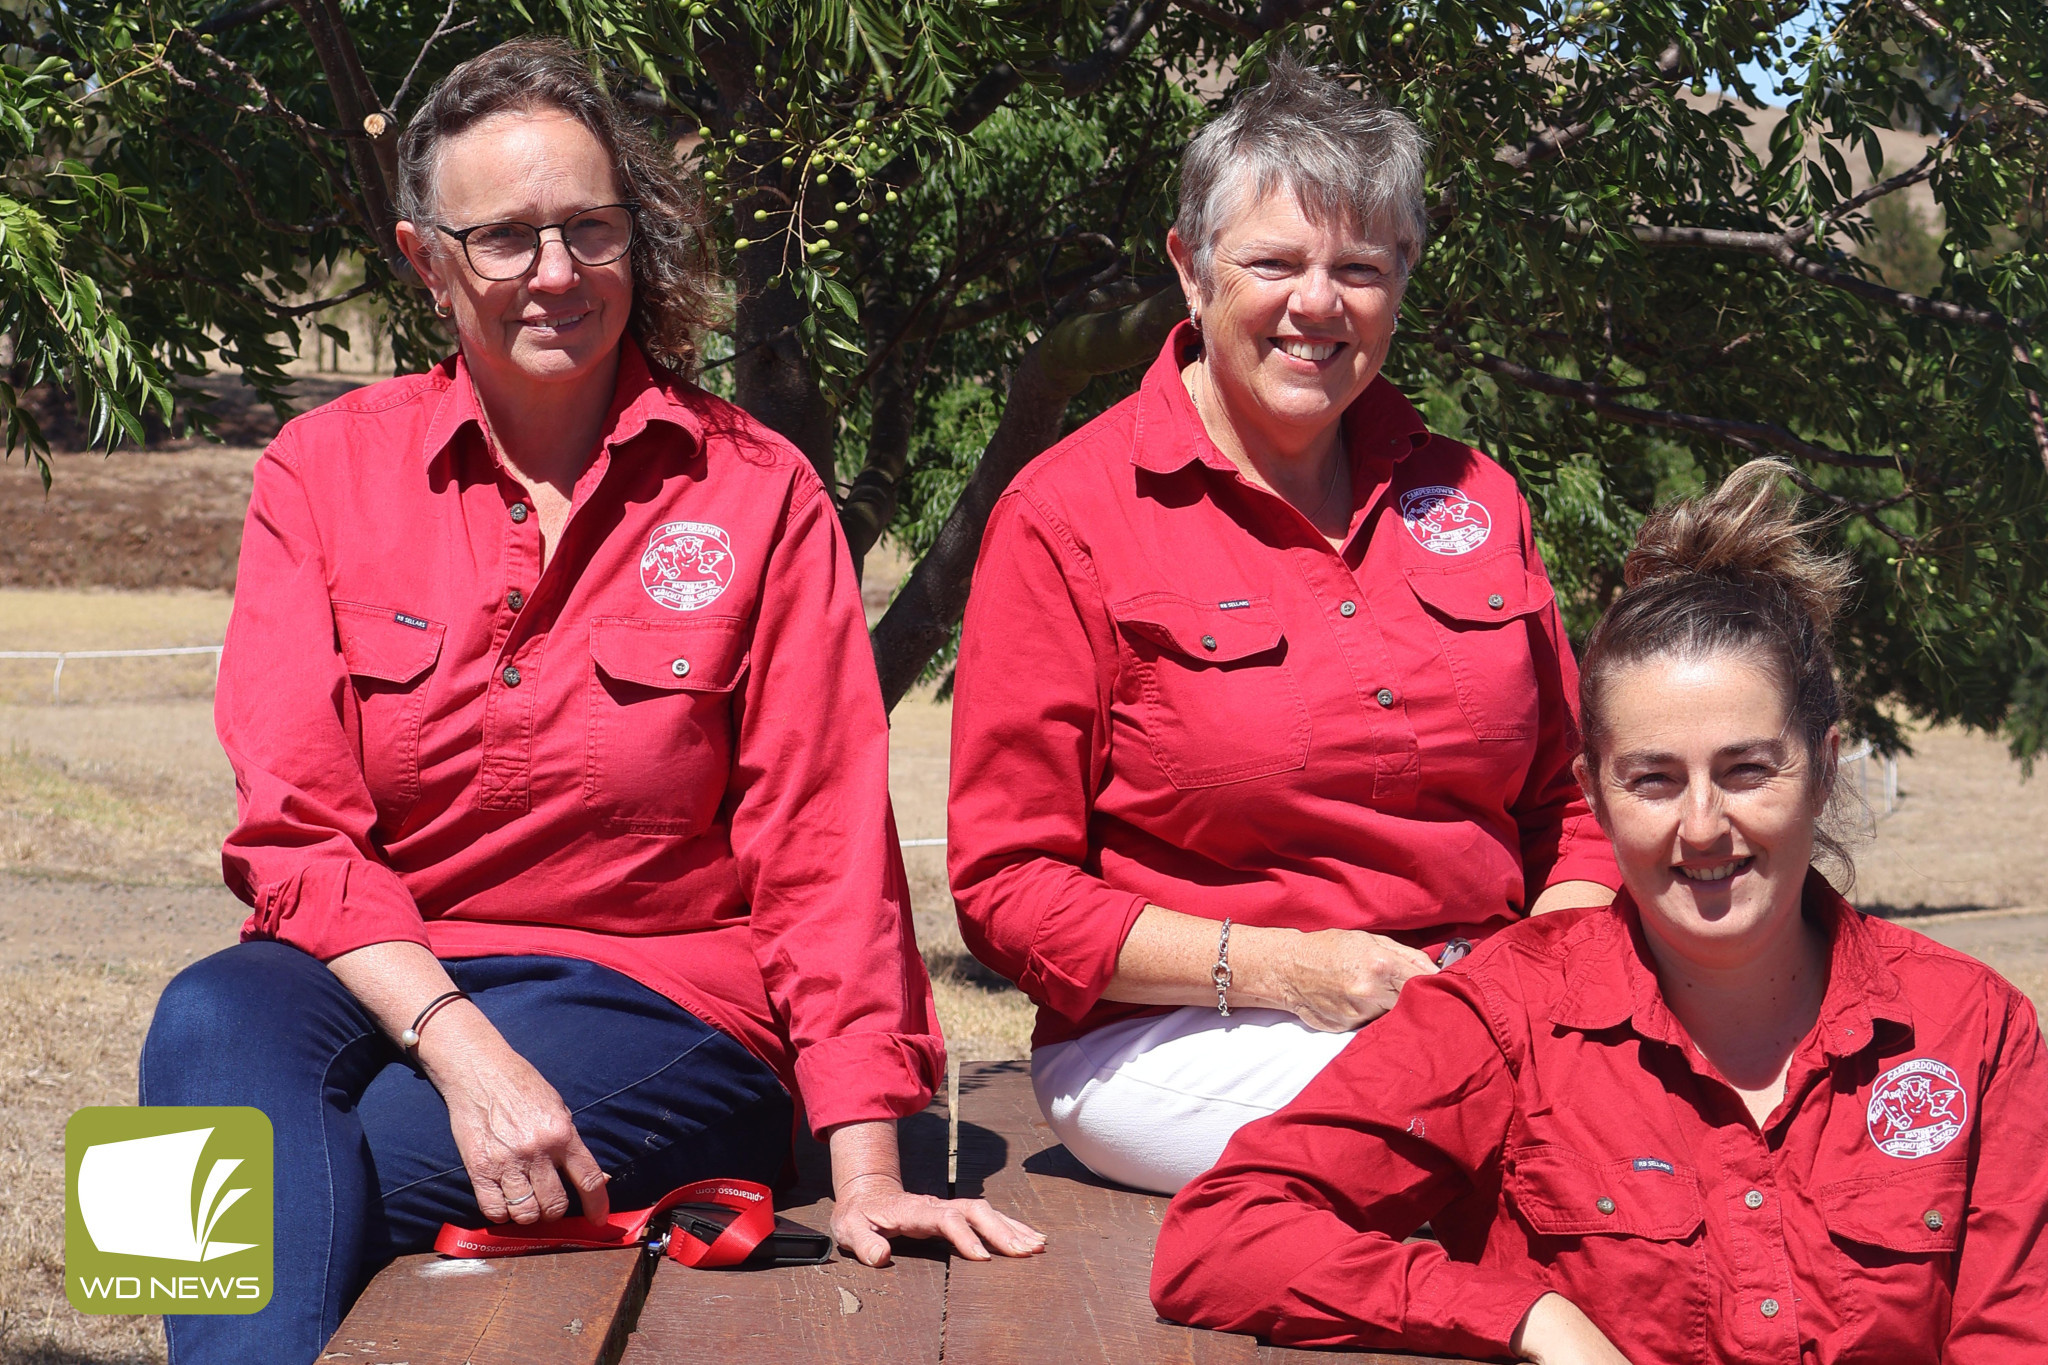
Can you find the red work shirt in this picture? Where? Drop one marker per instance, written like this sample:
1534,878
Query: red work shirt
1171,690
1543,1110
665,754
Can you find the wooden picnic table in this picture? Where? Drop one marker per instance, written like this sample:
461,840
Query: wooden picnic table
1085,1302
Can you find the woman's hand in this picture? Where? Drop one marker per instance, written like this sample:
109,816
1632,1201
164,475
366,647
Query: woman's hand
515,1135
871,1205
877,1208
1333,979
1555,1332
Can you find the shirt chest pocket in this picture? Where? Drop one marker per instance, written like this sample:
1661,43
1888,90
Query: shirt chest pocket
390,656
1483,615
1894,1234
660,707
1210,689
1622,1231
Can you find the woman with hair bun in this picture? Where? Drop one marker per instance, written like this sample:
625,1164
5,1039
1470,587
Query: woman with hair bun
562,764
1727,1117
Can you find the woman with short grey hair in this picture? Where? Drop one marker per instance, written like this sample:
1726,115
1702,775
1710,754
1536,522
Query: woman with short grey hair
1263,704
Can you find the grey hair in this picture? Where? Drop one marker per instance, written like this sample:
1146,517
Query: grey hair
1346,157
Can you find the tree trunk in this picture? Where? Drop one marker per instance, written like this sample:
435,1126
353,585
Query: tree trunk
921,619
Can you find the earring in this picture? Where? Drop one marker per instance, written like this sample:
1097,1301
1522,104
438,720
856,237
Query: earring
1194,317
442,310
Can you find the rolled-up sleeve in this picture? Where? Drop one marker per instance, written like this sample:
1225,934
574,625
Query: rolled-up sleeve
816,843
1297,1233
1561,841
301,853
1030,740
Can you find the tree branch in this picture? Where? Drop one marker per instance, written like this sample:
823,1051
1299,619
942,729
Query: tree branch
1778,246
1759,438
1976,56
1088,74
374,157
1554,141
322,305
1223,19
441,29
243,182
2034,412
235,18
921,619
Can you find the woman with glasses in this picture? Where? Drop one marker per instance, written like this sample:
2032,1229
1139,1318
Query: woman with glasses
562,765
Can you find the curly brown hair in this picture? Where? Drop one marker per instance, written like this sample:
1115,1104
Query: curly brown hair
676,290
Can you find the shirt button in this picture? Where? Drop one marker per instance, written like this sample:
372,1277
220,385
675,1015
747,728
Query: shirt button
515,599
1933,1220
681,668
1348,609
1496,601
1604,1204
1208,642
1755,1199
1385,697
511,676
518,511
1769,1308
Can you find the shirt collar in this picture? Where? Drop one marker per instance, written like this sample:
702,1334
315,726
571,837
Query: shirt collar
1609,980
1170,435
640,397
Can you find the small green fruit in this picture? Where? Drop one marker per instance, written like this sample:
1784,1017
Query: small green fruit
760,215
831,225
740,244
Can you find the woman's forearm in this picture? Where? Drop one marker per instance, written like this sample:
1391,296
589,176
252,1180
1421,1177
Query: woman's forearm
1168,958
395,981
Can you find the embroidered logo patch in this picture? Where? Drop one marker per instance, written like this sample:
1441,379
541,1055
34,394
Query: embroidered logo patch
687,564
1917,1108
1444,521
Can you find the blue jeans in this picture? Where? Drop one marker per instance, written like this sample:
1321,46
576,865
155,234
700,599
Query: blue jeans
367,1168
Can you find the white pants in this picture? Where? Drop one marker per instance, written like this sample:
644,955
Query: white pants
1151,1102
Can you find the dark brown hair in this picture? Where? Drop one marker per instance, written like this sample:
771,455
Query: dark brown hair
1733,571
675,283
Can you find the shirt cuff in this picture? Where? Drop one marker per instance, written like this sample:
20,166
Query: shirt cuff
335,906
1459,1309
1089,932
866,1077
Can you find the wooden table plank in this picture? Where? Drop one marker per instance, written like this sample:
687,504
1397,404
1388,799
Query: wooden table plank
568,1309
840,1311
1088,1299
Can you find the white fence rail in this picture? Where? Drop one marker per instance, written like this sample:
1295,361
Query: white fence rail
1861,758
62,656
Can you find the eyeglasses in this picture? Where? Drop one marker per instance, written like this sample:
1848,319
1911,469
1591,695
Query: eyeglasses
509,251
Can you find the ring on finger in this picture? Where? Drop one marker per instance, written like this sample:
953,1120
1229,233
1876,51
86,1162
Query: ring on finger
520,1200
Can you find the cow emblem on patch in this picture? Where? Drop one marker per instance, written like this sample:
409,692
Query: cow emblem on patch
687,564
1444,521
1917,1108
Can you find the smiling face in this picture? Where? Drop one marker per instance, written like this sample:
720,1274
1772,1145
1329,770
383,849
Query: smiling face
562,322
1711,800
1296,316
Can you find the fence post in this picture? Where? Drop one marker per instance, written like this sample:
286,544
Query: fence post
57,680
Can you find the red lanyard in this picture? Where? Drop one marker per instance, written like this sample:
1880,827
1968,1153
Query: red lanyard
755,1222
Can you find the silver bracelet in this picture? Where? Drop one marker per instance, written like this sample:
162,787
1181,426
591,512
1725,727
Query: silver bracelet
1220,973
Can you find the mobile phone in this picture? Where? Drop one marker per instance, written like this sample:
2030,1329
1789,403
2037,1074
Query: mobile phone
790,1244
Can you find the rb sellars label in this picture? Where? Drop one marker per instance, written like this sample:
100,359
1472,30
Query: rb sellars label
168,1209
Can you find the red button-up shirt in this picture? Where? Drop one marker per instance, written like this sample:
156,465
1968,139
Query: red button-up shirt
1172,690
665,754
1541,1107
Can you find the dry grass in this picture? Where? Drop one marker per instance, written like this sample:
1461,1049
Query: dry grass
69,1036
